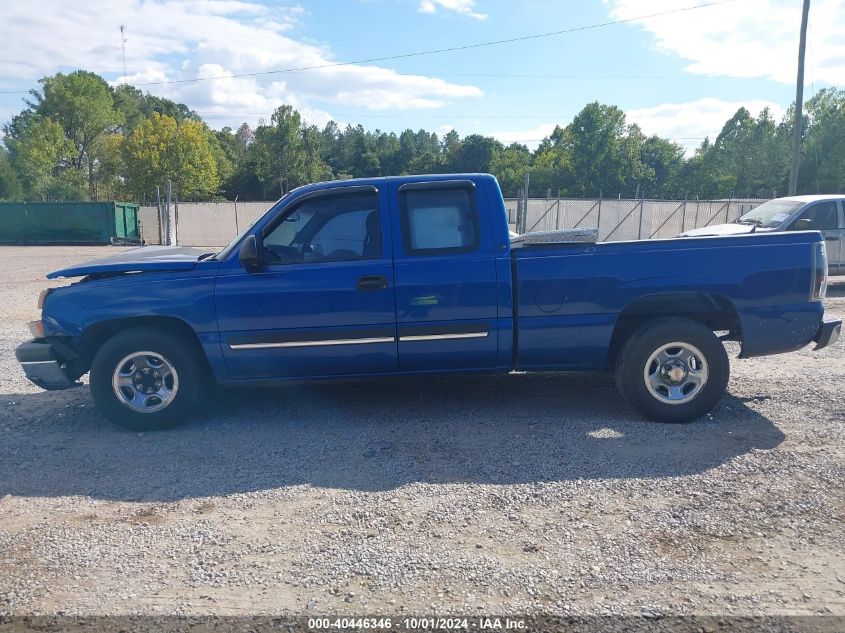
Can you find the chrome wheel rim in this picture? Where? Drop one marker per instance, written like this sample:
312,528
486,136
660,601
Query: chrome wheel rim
145,382
675,373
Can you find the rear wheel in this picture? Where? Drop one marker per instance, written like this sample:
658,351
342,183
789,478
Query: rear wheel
145,380
672,370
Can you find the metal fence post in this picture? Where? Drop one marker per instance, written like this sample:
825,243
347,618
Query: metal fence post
158,213
557,216
176,219
598,219
169,198
640,230
684,217
237,231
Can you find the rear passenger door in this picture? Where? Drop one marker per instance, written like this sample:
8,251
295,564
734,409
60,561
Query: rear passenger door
445,277
825,216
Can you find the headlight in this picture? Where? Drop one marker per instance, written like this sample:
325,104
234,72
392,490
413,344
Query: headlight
42,296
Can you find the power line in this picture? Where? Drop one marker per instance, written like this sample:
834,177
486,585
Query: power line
449,49
467,75
435,51
217,115
665,138
553,117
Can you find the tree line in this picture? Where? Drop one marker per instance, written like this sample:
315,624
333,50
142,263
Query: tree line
78,138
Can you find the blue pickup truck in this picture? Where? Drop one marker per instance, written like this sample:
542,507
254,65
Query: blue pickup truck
415,275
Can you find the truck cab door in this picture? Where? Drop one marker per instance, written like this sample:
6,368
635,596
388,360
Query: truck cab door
320,303
824,216
446,301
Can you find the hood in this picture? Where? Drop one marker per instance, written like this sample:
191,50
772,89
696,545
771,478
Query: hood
723,229
143,259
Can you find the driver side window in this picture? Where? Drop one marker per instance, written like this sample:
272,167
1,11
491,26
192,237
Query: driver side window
344,227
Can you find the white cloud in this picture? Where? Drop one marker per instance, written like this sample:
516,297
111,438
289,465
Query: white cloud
462,7
530,137
183,39
688,123
752,38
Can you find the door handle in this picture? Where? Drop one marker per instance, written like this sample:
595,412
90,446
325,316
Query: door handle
372,282
831,238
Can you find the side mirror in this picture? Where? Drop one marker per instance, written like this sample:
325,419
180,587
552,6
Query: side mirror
249,253
802,224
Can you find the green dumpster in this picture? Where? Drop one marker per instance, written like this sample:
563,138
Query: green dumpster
68,223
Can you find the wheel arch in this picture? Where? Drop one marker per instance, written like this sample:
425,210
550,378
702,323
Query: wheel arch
712,310
94,336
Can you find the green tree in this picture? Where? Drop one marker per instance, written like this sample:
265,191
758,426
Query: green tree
552,165
44,156
594,139
82,104
10,184
509,165
823,159
131,104
135,106
109,167
427,163
664,160
278,150
474,154
315,170
162,149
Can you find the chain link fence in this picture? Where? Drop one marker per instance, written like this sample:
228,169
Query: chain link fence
623,219
216,223
199,223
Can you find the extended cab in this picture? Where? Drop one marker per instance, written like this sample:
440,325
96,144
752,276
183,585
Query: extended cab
418,274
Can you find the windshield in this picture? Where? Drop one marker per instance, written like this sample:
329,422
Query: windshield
223,254
771,214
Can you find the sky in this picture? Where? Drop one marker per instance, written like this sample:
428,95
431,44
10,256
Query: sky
680,74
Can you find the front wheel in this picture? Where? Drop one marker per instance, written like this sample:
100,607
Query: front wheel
145,380
672,370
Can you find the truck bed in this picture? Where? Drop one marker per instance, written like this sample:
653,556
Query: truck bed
569,297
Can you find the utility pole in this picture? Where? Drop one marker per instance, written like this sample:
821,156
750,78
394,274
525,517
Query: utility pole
799,102
525,204
123,48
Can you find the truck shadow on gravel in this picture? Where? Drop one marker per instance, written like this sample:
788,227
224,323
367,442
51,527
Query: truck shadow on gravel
368,436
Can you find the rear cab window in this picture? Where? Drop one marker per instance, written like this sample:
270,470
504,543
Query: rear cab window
439,219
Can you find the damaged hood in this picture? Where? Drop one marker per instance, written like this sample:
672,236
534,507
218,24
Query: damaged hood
143,259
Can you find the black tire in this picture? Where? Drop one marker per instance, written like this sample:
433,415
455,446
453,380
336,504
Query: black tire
190,379
638,349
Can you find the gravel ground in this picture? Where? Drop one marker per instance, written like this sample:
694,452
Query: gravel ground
512,494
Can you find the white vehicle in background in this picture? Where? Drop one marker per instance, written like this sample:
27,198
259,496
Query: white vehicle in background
825,213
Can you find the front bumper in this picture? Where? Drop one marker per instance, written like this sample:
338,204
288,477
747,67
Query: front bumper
43,366
828,333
